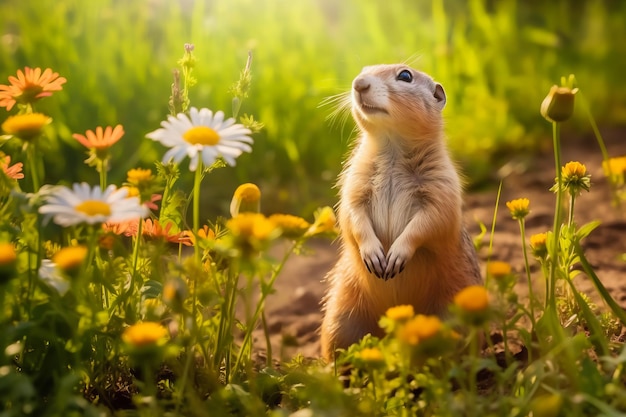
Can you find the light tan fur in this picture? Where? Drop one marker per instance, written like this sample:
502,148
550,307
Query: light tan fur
399,213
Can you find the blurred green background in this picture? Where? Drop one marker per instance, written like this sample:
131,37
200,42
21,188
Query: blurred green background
496,60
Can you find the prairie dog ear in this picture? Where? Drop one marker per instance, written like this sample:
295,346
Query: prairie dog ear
440,96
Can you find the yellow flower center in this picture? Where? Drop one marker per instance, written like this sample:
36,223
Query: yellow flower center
25,126
202,135
94,208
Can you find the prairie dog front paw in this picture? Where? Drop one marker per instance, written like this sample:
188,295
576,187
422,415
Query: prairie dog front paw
397,258
373,256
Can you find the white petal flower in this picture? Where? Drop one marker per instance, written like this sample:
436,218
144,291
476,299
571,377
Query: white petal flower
83,204
204,135
50,274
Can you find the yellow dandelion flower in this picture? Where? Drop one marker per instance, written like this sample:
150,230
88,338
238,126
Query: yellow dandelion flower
8,255
144,334
252,226
420,329
137,176
292,226
26,126
614,166
474,298
400,313
325,222
574,168
132,191
70,258
538,245
29,86
518,208
372,355
246,199
498,269
574,178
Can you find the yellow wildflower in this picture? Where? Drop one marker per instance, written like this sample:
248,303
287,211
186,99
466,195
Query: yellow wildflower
144,334
69,259
400,313
546,405
518,208
292,226
138,176
472,299
325,222
614,166
7,254
420,329
26,126
538,245
498,269
574,178
252,226
371,355
246,199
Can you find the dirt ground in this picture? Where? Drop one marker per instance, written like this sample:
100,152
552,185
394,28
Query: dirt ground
294,314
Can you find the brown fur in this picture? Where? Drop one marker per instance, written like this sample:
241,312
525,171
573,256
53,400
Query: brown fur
399,213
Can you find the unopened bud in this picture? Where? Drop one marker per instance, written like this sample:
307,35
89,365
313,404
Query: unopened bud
558,105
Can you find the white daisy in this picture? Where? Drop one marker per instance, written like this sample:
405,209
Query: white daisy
50,274
83,204
204,134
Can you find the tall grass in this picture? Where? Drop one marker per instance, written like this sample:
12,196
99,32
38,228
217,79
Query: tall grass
495,60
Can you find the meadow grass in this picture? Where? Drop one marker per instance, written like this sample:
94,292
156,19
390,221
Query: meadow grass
495,60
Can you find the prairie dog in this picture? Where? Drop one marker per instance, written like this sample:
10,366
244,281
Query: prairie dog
399,210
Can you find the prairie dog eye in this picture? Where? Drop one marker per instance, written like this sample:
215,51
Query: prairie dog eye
405,75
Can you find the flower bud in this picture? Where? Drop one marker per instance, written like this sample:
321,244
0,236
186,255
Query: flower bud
558,105
246,199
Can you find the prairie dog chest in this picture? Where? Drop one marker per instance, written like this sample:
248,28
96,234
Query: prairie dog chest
397,190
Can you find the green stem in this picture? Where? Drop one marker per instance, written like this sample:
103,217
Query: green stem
570,217
531,295
493,230
557,216
33,166
102,169
260,306
196,208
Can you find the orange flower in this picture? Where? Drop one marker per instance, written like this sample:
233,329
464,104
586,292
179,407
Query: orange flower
102,139
153,229
14,172
29,86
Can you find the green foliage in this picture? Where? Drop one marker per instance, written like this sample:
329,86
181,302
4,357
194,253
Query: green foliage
495,60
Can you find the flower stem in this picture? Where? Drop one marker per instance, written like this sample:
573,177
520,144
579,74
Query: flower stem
31,152
557,216
531,295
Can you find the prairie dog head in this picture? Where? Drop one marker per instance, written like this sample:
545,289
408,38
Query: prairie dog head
397,100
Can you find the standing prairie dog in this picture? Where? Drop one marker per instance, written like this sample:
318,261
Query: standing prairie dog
399,213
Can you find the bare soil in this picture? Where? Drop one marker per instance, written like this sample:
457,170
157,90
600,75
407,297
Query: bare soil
293,311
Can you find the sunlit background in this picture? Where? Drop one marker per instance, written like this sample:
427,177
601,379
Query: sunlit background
496,59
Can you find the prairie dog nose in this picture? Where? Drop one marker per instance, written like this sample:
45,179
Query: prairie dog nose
361,84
